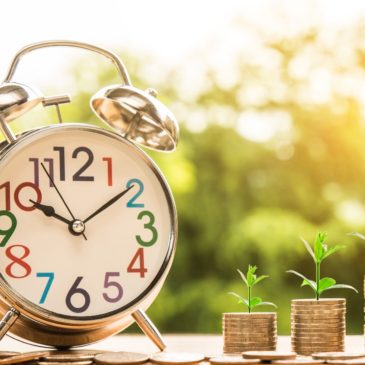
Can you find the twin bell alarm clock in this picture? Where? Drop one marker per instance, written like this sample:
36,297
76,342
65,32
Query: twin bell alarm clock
88,223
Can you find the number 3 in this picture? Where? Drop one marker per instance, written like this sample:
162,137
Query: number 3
150,227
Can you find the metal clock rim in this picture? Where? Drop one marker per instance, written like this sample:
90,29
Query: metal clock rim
35,312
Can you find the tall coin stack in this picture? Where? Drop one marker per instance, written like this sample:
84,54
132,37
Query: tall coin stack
249,331
318,325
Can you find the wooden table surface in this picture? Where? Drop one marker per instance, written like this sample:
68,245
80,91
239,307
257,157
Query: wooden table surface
207,344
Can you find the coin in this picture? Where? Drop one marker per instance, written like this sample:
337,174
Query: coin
268,355
73,362
338,355
347,362
90,352
67,356
4,354
299,360
27,356
116,358
318,302
250,315
176,358
232,360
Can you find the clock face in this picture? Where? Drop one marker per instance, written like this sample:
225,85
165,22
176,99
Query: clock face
86,222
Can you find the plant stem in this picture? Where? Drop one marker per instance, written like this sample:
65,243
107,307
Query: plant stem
249,299
318,277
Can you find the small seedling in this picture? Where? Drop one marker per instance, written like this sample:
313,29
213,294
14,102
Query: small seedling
250,281
319,252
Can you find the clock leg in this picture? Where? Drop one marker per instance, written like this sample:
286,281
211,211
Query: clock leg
7,321
149,329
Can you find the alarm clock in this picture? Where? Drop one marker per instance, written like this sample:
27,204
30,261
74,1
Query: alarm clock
88,224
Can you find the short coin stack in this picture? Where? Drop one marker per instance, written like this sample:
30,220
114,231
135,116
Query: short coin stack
318,325
249,331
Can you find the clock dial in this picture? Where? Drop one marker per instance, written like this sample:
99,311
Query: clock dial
86,222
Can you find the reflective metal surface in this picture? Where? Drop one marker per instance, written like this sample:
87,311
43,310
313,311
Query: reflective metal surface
137,115
16,99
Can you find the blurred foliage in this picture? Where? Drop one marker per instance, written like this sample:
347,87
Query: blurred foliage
242,200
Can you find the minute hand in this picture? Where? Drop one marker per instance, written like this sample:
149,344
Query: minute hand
107,204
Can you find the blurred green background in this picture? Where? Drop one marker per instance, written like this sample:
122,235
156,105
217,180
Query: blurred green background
272,149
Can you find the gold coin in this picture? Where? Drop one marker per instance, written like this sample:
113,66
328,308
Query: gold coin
250,334
116,358
4,354
73,362
250,315
347,362
24,357
268,355
316,319
176,358
299,360
90,352
338,355
222,360
67,357
318,302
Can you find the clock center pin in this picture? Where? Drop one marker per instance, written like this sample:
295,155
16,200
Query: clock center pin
77,226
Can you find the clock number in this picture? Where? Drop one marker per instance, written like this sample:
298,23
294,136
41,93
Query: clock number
7,233
109,166
138,259
36,169
17,261
61,151
149,225
90,158
17,192
75,290
131,203
110,283
50,276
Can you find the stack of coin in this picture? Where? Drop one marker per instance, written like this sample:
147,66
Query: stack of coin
249,331
318,325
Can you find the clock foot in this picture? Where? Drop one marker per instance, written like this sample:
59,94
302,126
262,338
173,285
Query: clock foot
7,321
149,329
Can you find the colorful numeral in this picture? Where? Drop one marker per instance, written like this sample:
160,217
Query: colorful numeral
112,284
7,233
132,202
79,291
19,261
50,276
137,263
149,226
7,190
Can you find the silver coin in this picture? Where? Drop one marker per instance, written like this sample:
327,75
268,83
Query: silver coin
119,358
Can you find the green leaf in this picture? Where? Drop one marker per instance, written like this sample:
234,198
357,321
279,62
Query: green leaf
319,246
255,301
267,303
332,250
309,248
324,284
241,300
260,278
343,286
306,281
243,276
251,277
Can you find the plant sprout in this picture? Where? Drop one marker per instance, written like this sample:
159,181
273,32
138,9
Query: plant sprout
319,252
250,281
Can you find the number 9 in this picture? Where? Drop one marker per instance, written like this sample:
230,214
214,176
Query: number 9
7,233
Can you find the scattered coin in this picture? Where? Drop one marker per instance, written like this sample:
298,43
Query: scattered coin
269,355
116,358
347,362
27,356
299,360
231,360
176,358
338,355
68,356
81,362
4,354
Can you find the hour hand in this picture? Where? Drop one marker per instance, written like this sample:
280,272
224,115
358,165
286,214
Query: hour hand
49,211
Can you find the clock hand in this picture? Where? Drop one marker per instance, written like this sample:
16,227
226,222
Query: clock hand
60,195
108,203
49,211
